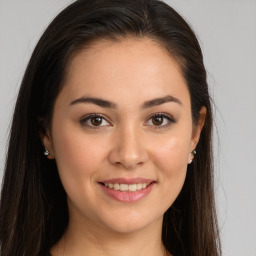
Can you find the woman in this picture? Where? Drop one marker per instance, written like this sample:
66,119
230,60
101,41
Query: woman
110,145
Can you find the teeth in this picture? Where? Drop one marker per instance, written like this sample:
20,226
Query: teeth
139,186
126,187
123,187
116,186
132,187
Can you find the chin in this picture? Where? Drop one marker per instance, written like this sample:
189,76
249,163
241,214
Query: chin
130,221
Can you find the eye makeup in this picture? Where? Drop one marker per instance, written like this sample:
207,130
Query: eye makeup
157,121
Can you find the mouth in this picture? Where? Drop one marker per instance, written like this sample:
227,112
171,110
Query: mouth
126,187
127,190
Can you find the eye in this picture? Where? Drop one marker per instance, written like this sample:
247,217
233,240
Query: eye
160,120
94,120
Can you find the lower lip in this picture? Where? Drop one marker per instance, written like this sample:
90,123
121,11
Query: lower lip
127,196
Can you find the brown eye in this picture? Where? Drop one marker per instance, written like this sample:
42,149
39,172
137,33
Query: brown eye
157,120
96,121
160,120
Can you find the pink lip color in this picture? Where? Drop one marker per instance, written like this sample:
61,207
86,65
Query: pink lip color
127,196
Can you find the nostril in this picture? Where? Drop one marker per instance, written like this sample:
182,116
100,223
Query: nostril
128,164
128,157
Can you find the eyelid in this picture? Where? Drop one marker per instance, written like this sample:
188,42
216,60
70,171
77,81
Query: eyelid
170,119
86,118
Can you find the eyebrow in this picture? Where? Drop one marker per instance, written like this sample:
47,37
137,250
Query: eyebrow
160,101
99,102
108,104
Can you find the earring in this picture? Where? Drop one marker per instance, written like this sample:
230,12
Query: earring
46,152
192,155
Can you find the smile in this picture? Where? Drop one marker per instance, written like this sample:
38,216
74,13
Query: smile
126,187
127,190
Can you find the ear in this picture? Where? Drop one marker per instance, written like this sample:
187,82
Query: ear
47,142
198,128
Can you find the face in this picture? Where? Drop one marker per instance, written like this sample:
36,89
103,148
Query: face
122,134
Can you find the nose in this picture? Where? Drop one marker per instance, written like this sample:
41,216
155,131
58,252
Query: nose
128,149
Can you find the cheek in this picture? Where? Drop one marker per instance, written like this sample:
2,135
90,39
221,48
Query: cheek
172,155
78,158
171,161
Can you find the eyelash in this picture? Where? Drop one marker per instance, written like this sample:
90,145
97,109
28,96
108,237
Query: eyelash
170,120
87,118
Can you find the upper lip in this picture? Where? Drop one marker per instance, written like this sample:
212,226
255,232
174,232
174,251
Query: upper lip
127,180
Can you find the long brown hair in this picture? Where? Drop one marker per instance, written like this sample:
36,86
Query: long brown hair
33,210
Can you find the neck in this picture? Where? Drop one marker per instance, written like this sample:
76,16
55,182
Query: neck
85,239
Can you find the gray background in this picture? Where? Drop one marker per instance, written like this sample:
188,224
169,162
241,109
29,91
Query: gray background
227,33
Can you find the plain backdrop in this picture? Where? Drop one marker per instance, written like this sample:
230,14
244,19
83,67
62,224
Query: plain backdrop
227,33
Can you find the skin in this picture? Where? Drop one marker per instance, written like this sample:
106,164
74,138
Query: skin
127,143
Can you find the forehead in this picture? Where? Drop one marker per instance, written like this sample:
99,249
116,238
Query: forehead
129,68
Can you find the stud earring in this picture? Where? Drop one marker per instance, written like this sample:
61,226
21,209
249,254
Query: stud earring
192,155
46,152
